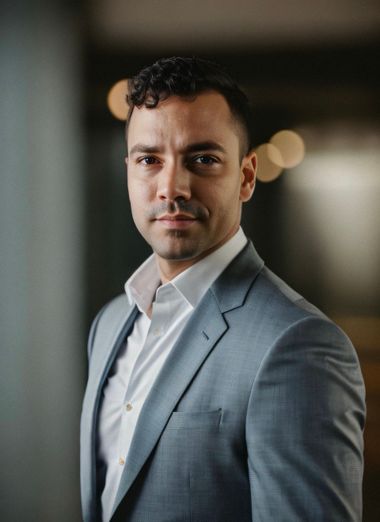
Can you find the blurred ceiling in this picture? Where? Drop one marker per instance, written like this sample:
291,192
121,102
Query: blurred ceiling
196,24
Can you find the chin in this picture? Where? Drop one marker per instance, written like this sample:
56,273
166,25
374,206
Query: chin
176,255
181,251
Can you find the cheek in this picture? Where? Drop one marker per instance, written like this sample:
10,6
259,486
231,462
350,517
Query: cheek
222,195
137,202
139,192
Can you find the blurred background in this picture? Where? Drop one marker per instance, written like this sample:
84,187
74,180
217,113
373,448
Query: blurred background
67,238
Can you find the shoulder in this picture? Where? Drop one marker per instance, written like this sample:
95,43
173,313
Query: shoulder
300,343
274,302
264,310
275,323
118,305
276,293
248,282
109,318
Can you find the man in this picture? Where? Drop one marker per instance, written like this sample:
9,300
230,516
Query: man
215,392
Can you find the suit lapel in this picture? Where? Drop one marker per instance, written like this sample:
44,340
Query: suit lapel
119,319
201,334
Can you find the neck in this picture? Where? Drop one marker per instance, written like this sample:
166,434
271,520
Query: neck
169,269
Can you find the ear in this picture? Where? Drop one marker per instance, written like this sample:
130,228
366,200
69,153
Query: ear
248,176
126,162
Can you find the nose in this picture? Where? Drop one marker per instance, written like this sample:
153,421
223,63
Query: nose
173,183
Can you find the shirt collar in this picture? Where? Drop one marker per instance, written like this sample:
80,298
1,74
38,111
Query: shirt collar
142,285
192,283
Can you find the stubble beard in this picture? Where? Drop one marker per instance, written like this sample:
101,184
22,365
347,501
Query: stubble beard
180,246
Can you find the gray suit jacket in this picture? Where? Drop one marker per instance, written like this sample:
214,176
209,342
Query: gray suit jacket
257,414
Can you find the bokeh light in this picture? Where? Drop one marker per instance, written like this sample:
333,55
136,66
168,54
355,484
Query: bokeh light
291,148
268,160
116,100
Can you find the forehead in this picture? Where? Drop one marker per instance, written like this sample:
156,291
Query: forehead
206,116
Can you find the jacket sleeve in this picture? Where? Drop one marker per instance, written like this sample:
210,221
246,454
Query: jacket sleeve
304,428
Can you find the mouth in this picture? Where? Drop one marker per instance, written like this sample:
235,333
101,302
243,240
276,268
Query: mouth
176,221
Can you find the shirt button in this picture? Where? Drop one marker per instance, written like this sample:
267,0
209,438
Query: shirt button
121,461
128,406
157,332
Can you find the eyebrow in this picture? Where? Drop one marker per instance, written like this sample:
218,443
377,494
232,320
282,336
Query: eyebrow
192,147
147,149
203,146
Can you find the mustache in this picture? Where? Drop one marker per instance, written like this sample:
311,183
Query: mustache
176,207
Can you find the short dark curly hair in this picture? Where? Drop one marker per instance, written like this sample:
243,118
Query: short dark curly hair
188,77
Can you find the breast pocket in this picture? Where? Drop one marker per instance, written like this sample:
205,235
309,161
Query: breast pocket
199,420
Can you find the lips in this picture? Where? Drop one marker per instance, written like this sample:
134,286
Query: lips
176,217
178,221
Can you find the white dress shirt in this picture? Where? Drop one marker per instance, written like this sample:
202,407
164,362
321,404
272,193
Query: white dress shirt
143,355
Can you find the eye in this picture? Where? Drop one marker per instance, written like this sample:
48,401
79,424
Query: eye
148,160
205,159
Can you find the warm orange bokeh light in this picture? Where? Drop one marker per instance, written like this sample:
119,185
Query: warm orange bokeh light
116,100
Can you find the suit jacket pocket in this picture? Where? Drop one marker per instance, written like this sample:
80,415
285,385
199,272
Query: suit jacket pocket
194,420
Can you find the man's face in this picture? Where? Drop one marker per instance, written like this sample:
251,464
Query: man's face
186,179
